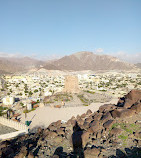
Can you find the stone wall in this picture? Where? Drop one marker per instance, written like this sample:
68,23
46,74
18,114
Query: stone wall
12,124
13,134
22,129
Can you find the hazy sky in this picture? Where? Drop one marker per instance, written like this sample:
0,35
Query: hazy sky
44,28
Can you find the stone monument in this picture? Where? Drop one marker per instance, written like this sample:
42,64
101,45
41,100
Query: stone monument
71,84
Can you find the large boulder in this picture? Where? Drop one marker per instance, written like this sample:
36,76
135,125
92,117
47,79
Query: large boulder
85,125
106,107
95,129
116,113
127,113
30,155
94,123
83,115
122,113
60,131
128,103
138,134
136,107
52,128
115,131
92,153
105,117
134,95
108,124
80,121
97,116
52,134
89,119
89,112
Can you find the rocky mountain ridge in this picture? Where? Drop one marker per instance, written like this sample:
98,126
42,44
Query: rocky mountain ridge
113,131
138,65
75,62
12,65
90,61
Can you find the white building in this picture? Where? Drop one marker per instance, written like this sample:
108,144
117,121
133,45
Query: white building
8,100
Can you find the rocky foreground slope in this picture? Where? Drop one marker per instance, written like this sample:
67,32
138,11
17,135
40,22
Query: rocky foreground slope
113,131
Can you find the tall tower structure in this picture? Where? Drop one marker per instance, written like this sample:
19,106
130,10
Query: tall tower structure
71,84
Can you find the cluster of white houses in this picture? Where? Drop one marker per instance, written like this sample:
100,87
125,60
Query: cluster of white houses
35,87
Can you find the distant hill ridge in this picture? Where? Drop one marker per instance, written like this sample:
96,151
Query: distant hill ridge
89,61
138,65
11,65
76,62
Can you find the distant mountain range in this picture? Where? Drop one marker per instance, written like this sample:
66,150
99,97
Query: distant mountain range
11,65
88,61
138,65
75,62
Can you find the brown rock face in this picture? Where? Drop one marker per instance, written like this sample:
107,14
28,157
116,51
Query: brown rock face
89,119
58,139
92,153
127,113
128,103
88,112
115,131
20,155
52,134
108,124
60,131
52,128
80,121
94,123
83,115
90,135
30,155
134,95
94,129
107,116
97,116
138,134
116,113
105,107
136,107
94,126
24,150
122,113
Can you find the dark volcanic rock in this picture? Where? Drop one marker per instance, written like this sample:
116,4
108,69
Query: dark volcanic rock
97,116
106,107
88,112
128,103
136,107
108,124
116,113
93,135
126,113
92,153
115,131
134,95
105,117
